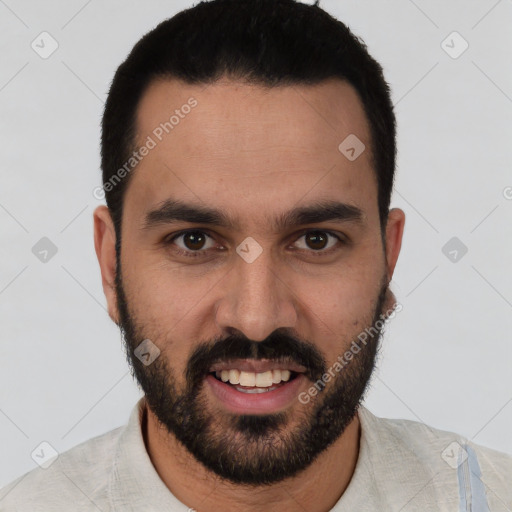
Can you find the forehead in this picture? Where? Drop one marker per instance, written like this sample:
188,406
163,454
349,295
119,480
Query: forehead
230,142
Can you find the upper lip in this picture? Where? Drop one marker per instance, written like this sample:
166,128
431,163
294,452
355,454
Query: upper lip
257,366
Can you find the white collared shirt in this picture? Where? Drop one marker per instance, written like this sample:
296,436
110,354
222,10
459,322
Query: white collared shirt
403,466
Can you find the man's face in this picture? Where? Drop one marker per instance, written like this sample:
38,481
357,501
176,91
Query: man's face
260,295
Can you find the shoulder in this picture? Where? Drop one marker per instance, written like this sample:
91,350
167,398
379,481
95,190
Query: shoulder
449,458
424,439
79,476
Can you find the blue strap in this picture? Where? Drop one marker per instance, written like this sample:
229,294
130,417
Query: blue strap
471,488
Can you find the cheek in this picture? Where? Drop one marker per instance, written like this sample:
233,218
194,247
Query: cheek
174,297
170,306
339,306
161,289
348,288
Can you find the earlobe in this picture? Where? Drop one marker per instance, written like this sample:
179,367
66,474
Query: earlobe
394,232
104,244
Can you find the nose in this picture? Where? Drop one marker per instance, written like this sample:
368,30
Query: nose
256,299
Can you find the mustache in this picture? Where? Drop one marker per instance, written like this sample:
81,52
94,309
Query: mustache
278,346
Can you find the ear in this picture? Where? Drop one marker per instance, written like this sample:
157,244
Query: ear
105,246
394,231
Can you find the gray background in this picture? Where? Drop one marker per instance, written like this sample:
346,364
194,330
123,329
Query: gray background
446,356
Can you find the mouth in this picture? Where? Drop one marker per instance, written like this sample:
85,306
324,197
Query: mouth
252,382
257,387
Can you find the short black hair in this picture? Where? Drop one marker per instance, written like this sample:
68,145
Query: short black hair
264,42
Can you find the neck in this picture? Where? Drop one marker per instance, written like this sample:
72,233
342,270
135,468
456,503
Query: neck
316,489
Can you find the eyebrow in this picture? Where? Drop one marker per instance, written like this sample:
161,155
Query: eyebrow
172,211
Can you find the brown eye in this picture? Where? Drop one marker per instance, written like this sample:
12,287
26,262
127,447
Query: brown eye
190,243
318,241
194,240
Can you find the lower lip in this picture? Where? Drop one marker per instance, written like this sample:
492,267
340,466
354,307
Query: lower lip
256,403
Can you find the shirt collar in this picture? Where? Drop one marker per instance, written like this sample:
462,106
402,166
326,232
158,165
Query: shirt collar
134,482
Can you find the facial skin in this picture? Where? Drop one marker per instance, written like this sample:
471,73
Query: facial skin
254,154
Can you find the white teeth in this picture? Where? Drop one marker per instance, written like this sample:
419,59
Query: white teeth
247,379
285,375
264,380
252,379
234,377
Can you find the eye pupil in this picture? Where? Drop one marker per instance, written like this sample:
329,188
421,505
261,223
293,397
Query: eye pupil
315,237
196,237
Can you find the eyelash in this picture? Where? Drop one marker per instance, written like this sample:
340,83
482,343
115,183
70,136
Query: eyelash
200,253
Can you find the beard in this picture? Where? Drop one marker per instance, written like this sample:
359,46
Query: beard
253,450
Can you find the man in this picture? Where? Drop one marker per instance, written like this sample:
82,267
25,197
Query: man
246,252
